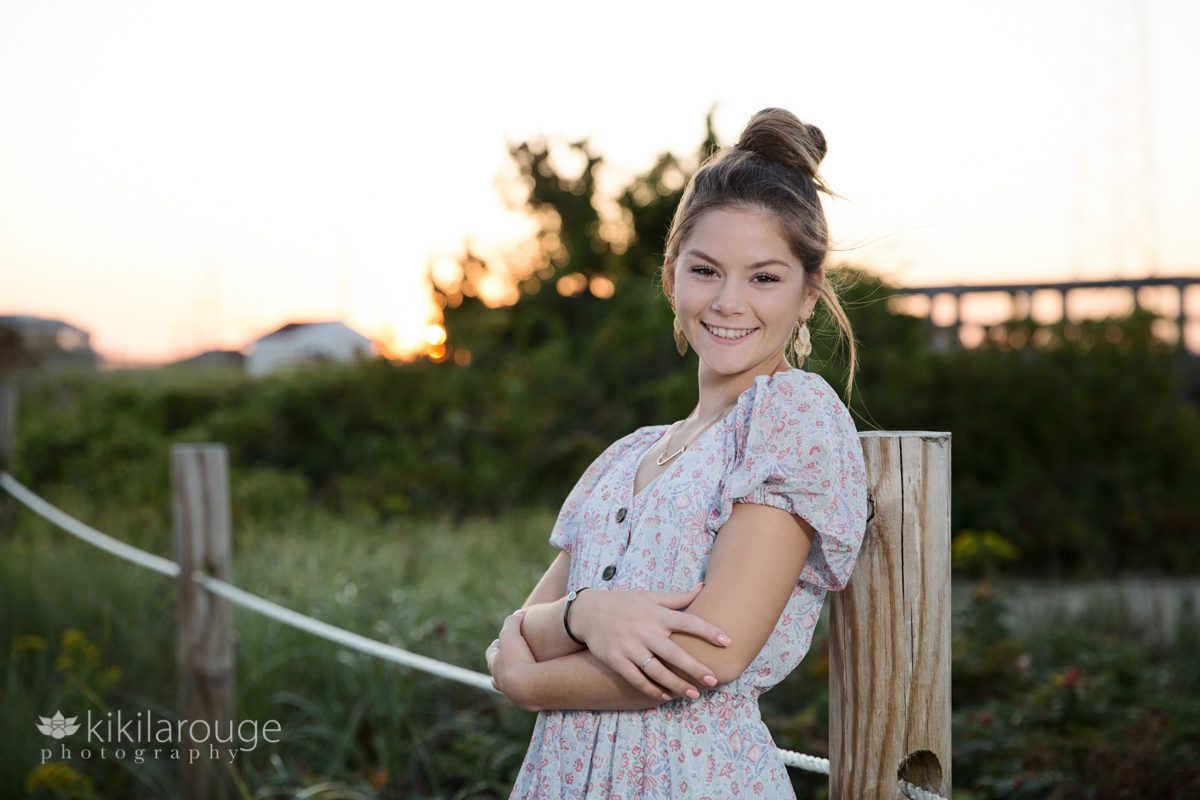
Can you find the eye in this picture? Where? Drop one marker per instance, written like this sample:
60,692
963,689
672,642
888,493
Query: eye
704,271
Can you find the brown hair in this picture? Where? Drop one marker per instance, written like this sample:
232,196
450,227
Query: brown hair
773,167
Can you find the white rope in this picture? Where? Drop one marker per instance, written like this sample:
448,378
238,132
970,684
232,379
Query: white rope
821,765
242,598
343,637
804,761
917,793
324,630
86,532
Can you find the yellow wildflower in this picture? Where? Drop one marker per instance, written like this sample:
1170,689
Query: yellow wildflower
28,642
57,776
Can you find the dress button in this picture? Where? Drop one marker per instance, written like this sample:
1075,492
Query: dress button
609,571
621,512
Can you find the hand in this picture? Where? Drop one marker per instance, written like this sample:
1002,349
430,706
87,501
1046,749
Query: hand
624,628
507,656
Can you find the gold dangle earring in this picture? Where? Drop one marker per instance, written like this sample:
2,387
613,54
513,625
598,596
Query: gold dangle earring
681,343
801,342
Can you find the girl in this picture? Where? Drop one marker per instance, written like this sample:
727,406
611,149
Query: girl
695,557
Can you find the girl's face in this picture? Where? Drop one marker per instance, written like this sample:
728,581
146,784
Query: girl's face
735,275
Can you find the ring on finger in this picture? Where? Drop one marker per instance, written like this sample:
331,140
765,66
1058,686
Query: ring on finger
649,658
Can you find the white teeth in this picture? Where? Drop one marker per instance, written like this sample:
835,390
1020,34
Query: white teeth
730,333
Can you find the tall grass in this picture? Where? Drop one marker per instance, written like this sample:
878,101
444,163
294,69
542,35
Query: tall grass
1046,710
351,721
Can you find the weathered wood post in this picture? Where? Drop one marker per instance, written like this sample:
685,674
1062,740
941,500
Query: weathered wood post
889,646
204,622
8,451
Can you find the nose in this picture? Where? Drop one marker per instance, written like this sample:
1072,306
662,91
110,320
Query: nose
728,299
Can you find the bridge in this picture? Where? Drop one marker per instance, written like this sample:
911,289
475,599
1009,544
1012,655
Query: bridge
949,335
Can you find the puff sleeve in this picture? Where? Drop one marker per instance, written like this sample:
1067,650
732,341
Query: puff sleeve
800,452
565,531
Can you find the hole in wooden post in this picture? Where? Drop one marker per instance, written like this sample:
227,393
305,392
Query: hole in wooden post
921,768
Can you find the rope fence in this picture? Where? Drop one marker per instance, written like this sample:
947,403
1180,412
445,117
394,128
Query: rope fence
323,630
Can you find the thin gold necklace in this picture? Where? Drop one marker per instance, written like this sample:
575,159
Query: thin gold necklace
660,460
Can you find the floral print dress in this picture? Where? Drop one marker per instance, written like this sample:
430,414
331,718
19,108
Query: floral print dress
789,443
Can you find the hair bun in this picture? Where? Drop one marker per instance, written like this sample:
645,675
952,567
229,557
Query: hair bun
778,135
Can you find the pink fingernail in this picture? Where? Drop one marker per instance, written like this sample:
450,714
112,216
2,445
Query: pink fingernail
723,639
666,696
692,693
711,680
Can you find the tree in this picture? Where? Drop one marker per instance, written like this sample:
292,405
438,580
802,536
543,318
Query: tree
579,257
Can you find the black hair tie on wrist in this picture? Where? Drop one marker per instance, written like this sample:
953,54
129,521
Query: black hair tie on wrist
567,610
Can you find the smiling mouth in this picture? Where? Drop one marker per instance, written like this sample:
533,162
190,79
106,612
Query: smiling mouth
728,334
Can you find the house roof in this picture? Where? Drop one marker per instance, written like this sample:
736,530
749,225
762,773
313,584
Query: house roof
28,321
292,327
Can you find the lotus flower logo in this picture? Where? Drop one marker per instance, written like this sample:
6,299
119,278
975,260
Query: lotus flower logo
58,726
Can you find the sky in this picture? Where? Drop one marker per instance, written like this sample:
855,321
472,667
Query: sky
181,176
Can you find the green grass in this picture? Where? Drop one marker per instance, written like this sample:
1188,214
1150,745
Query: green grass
80,629
430,588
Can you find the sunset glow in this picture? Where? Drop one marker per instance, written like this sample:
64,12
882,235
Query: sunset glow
179,178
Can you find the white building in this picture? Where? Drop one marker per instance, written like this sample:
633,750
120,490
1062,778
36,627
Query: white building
304,342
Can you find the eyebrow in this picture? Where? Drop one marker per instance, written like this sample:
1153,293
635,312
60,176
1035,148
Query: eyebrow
755,265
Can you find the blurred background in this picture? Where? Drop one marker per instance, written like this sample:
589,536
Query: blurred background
403,264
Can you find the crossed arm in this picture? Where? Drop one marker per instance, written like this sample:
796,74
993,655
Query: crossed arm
755,562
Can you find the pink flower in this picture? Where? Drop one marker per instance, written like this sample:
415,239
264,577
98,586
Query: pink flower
641,772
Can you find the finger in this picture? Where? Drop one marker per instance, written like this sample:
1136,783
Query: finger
685,662
509,631
669,680
492,654
676,599
638,680
513,642
698,626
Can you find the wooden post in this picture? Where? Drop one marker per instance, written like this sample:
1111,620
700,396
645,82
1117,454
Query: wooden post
204,622
8,451
889,648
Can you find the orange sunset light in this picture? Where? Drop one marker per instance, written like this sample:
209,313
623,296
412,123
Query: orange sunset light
267,186
435,335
